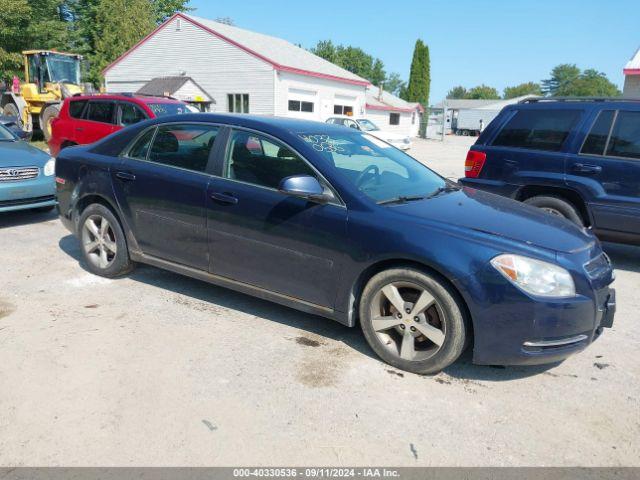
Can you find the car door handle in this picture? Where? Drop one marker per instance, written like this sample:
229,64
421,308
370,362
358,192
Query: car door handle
126,176
584,168
225,198
79,129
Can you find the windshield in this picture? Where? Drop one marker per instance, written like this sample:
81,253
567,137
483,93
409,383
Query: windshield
378,170
63,69
368,125
164,109
5,134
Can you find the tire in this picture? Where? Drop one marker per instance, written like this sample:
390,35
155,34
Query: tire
109,257
11,110
557,206
444,321
46,117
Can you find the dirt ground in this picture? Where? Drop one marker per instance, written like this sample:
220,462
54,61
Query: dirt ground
156,369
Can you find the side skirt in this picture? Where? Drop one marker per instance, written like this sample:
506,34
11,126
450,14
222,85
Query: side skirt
246,288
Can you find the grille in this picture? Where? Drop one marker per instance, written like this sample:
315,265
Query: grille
26,201
16,174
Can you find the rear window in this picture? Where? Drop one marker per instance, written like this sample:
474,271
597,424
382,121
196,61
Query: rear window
163,109
76,107
597,139
538,129
625,139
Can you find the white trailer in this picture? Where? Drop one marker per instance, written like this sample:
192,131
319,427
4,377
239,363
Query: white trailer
472,121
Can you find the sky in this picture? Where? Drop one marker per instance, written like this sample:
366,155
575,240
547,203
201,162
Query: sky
496,42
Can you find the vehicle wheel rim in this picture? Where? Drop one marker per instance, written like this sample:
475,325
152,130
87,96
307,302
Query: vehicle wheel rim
408,321
99,241
553,211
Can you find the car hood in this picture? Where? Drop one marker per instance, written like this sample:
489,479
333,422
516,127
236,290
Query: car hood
21,154
491,214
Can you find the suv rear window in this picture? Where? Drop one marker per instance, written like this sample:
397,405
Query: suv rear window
538,129
625,139
76,107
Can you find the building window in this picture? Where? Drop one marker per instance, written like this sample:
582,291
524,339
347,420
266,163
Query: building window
238,102
343,110
394,119
413,118
300,106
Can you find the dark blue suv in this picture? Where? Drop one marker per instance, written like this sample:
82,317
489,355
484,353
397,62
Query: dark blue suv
576,158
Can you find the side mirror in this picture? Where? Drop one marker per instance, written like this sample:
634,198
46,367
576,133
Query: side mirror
304,186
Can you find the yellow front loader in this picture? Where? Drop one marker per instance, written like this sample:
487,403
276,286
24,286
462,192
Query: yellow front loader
50,77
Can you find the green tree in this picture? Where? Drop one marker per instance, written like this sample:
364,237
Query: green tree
30,24
120,24
377,75
529,88
590,83
163,9
353,59
483,92
394,83
419,84
561,76
458,92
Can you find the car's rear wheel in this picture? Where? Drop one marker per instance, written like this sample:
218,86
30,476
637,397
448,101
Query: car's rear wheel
413,320
104,246
557,206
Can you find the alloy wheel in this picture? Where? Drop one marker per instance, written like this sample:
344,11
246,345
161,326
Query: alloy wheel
408,321
99,241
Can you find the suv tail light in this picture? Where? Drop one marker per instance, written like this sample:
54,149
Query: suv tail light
474,163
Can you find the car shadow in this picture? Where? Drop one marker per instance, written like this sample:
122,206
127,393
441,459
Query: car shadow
463,369
623,257
25,217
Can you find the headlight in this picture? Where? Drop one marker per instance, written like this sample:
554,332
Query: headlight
538,278
50,167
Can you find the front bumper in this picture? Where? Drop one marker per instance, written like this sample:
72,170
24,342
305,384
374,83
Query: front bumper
511,328
26,194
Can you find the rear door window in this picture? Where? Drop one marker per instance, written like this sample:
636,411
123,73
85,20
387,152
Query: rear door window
538,129
625,138
597,139
184,146
100,112
76,107
140,148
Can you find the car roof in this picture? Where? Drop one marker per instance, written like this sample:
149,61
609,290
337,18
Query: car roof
258,122
569,103
136,98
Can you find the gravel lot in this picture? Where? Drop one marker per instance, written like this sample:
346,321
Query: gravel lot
159,369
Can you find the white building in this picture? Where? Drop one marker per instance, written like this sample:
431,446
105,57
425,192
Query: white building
392,113
242,71
632,77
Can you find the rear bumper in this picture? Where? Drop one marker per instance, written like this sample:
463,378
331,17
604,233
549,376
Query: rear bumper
496,187
27,194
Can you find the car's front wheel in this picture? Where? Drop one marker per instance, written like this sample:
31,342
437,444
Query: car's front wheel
413,320
104,247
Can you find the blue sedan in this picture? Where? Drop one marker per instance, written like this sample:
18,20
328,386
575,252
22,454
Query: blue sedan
26,175
339,223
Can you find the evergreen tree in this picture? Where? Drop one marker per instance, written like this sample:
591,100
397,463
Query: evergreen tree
420,77
561,76
120,24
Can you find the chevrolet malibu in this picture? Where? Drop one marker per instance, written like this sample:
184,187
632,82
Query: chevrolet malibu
335,222
26,175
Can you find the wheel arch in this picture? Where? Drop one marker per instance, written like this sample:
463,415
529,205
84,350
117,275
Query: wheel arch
89,199
368,273
568,194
